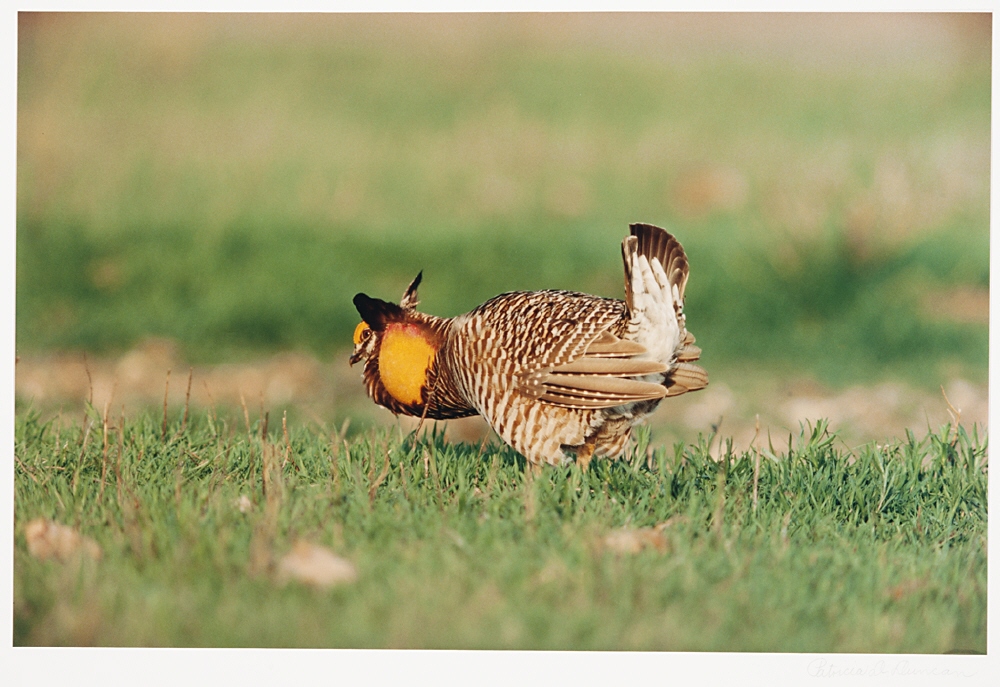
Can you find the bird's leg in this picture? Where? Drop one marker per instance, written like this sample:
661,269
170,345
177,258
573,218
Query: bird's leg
423,416
584,453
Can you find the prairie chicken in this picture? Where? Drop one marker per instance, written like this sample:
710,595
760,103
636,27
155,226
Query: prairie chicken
558,375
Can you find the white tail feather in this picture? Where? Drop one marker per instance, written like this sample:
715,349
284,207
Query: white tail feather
654,322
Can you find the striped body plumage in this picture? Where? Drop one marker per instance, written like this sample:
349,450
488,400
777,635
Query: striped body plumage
558,375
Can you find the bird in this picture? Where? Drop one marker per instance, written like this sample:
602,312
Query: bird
560,376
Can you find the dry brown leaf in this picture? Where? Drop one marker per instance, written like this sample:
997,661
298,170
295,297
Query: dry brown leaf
315,565
635,539
47,539
554,571
905,588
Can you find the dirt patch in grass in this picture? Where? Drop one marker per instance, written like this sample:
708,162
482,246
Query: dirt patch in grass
740,407
963,304
858,414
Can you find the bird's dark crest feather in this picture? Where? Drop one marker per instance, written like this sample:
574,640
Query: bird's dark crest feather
376,312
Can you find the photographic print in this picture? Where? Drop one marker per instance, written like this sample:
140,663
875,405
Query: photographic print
658,332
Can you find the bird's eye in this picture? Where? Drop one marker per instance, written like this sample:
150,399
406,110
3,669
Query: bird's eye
361,332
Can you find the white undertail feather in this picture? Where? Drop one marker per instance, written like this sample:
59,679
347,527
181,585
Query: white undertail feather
654,310
656,272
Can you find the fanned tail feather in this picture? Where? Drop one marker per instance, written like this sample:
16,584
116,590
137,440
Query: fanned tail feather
655,300
654,242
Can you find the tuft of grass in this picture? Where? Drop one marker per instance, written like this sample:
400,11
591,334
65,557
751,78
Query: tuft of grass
824,549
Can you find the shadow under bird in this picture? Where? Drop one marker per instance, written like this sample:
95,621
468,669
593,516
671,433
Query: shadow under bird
558,375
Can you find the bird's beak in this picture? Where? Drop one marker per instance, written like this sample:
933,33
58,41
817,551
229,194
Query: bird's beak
358,354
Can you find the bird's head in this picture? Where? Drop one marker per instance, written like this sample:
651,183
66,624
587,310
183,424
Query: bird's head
399,346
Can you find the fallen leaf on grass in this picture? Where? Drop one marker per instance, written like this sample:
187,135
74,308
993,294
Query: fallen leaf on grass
904,589
554,571
635,539
315,565
47,539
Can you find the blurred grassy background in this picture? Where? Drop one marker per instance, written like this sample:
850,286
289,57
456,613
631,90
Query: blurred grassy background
229,182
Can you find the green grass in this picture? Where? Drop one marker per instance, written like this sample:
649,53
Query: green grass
876,549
